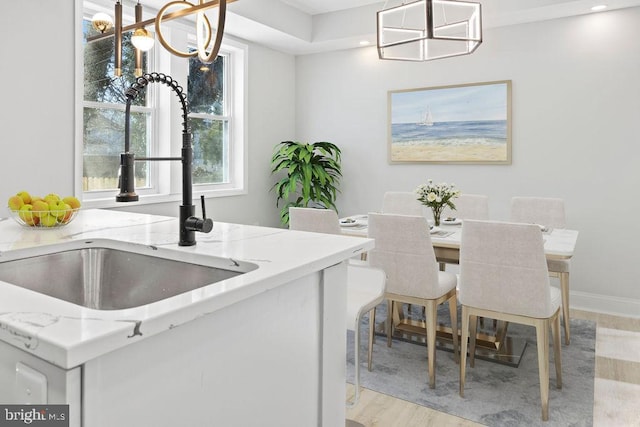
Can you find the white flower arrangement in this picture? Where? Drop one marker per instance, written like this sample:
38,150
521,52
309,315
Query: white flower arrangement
437,196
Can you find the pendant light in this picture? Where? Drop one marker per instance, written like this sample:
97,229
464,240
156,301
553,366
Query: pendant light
425,30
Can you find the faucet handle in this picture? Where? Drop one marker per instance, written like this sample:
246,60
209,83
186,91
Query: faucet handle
204,225
192,223
207,223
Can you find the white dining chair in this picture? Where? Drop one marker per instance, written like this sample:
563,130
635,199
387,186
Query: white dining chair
365,285
503,275
315,220
365,291
468,206
404,251
549,212
402,203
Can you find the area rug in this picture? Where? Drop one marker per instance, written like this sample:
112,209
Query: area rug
495,394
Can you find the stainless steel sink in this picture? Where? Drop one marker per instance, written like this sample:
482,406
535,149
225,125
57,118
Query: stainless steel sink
107,274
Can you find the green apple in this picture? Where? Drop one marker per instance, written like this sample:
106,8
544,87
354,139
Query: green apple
27,215
26,197
51,197
72,201
40,208
48,220
67,216
58,208
15,203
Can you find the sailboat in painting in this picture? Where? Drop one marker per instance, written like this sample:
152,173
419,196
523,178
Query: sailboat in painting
428,119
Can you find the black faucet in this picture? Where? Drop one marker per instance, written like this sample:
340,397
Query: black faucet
189,224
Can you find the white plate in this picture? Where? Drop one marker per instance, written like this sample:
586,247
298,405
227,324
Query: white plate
454,221
344,223
434,230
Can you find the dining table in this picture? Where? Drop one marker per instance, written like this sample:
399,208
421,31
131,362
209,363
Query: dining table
494,343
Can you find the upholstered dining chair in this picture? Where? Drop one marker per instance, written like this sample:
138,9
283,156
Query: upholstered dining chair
404,251
503,275
365,285
402,203
549,212
365,291
316,220
469,206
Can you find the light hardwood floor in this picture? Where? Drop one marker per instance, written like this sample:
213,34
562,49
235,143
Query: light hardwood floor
616,384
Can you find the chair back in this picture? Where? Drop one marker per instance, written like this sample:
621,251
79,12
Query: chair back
469,206
401,203
403,250
546,211
503,268
315,220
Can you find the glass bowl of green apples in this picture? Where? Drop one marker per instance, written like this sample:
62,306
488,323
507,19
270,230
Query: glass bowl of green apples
50,211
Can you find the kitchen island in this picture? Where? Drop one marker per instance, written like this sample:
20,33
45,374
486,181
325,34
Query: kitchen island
266,347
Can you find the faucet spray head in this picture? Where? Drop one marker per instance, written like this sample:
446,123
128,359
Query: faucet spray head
127,182
127,179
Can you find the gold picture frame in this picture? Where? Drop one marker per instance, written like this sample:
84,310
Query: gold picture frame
457,124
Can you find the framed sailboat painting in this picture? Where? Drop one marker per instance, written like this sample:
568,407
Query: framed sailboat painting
461,124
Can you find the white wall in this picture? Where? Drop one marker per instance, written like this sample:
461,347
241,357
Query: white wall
36,98
576,128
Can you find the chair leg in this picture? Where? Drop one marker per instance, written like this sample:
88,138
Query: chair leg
463,348
431,341
390,305
453,313
473,331
555,331
564,289
372,327
542,336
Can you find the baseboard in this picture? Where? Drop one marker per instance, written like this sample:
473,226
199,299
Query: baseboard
618,306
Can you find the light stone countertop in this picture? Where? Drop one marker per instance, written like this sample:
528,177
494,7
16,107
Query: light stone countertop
68,335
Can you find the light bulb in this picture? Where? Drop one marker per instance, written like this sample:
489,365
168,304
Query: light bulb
101,22
203,35
142,39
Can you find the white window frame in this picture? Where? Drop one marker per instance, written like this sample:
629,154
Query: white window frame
165,176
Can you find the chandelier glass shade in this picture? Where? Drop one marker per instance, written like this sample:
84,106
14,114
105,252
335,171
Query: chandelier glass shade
102,22
142,39
425,30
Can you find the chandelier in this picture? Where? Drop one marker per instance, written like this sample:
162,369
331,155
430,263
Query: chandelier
425,30
142,40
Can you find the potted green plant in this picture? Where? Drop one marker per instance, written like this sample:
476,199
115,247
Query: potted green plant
312,175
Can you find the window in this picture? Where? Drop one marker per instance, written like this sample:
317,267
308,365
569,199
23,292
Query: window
209,120
103,115
216,102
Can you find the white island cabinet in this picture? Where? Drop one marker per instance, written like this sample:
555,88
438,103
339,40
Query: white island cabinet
264,348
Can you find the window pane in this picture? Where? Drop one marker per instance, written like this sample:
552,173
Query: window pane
103,143
205,86
210,155
100,85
